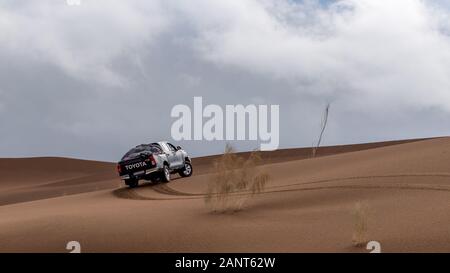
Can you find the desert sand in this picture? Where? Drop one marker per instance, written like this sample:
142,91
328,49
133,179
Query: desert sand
306,207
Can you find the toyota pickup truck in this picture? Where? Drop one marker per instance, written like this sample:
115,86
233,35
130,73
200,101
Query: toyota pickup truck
153,162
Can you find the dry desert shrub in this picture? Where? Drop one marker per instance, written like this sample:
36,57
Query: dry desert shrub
361,217
235,180
323,126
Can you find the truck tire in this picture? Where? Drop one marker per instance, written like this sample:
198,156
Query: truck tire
165,174
155,178
132,183
187,170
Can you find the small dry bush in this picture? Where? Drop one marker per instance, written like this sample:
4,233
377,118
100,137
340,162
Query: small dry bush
361,218
235,180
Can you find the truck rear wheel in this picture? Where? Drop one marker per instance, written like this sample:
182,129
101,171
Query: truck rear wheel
165,174
132,183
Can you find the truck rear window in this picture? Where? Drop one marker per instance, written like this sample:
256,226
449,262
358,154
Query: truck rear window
137,150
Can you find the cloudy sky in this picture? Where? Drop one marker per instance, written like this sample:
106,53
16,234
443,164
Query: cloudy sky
90,81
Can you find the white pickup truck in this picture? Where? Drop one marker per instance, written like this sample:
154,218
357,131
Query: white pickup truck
153,162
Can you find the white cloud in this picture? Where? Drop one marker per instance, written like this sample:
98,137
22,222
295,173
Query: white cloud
371,51
83,40
379,50
75,75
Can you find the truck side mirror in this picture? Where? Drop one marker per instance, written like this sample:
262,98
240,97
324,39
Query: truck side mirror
178,148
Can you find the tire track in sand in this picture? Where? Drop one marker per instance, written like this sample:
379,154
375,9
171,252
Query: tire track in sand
164,189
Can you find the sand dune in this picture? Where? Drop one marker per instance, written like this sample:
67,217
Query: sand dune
27,179
307,206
